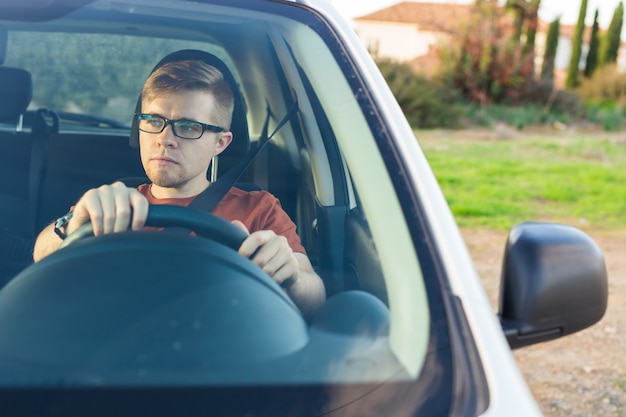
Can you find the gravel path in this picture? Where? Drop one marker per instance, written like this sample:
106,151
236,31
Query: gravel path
584,374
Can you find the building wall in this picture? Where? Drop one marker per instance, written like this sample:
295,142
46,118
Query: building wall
398,41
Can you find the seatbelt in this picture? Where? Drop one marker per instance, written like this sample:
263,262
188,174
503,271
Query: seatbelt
41,132
209,198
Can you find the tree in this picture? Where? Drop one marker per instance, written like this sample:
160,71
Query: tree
532,21
592,56
577,40
611,40
519,11
526,18
485,62
552,43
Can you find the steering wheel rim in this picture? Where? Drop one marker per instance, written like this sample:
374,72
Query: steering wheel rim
206,225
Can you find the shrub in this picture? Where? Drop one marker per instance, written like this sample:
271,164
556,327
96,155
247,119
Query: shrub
516,116
607,83
426,103
605,95
542,93
606,113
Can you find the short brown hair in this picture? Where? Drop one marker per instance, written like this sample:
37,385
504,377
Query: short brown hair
192,75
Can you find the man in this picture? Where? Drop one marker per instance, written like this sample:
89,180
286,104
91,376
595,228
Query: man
186,112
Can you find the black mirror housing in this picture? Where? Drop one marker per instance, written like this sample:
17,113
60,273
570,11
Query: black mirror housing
554,283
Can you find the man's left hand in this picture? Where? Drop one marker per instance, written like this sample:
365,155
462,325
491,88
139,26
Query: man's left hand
271,253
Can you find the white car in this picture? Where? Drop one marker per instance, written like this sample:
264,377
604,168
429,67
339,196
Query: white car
147,323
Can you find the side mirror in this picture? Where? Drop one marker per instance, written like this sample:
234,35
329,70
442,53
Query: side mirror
554,283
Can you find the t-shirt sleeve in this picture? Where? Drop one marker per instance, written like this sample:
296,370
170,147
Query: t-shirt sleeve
260,210
276,219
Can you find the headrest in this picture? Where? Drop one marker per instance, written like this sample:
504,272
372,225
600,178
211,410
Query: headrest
239,126
16,91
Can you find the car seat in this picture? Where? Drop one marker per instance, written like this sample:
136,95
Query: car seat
16,240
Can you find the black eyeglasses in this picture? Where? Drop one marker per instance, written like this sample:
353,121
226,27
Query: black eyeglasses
186,129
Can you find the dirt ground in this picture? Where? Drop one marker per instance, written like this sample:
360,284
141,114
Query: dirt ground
583,374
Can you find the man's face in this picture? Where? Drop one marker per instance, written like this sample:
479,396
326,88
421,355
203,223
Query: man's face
175,163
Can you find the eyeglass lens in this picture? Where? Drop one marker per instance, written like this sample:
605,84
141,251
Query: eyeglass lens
186,129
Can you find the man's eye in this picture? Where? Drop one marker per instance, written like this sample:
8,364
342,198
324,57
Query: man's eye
189,127
153,121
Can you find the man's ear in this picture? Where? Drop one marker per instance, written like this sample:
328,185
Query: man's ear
223,141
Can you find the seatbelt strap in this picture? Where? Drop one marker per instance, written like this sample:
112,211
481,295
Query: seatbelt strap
209,198
41,132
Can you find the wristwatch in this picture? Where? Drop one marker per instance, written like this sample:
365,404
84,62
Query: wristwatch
61,224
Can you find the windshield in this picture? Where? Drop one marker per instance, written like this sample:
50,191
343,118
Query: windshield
169,309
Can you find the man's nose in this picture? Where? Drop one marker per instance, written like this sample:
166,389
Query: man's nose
166,137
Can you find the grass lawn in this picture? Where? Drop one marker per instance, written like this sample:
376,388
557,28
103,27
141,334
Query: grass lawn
578,178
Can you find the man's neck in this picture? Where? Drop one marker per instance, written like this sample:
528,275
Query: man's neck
178,192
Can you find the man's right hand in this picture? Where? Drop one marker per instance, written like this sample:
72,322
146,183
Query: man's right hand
110,209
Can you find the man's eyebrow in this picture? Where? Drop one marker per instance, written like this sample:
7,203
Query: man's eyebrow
181,119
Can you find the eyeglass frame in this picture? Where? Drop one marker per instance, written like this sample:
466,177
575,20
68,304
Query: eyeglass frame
166,121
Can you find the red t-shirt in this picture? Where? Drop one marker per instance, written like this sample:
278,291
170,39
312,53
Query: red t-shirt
258,210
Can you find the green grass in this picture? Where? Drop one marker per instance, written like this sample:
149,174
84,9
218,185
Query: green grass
575,179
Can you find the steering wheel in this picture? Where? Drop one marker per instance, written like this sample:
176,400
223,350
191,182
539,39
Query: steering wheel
121,302
204,224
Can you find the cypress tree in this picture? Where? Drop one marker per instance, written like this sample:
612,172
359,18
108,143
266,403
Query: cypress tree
592,55
552,43
532,21
517,6
610,42
572,71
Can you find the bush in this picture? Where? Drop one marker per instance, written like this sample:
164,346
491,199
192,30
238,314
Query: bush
606,84
542,93
426,103
607,113
519,116
605,94
429,104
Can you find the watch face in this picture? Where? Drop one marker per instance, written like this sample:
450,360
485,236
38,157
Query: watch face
62,221
59,225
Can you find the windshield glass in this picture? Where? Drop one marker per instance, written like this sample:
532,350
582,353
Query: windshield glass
163,308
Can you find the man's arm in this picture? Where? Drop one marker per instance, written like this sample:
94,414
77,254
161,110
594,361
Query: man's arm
46,243
110,208
116,208
308,291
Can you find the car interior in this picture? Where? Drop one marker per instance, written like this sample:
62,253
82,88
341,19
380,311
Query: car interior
51,159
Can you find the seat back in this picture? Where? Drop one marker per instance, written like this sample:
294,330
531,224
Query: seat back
77,162
15,95
16,91
16,240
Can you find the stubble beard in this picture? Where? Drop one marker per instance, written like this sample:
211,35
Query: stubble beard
165,179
